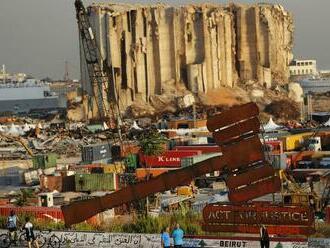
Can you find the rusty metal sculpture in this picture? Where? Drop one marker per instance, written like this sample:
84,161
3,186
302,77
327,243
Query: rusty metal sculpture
248,174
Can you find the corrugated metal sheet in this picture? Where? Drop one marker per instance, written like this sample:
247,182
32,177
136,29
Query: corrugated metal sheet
38,212
95,182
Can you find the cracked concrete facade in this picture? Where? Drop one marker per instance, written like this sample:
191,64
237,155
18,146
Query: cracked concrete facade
200,47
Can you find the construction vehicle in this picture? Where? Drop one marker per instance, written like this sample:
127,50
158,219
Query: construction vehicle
292,193
100,75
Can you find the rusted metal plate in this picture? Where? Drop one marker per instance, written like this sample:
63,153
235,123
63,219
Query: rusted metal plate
255,190
278,230
81,210
242,153
256,214
239,129
252,175
233,115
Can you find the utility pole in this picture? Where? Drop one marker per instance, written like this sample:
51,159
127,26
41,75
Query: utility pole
66,77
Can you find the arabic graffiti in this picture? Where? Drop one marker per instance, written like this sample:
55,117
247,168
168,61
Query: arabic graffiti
106,240
70,239
318,243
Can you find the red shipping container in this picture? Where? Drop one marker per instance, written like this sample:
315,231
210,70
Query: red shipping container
274,146
167,159
203,149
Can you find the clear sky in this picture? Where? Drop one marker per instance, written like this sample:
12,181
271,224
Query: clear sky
38,36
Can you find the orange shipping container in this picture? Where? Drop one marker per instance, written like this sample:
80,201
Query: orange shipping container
143,173
122,151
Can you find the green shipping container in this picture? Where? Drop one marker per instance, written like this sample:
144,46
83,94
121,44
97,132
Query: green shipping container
44,161
131,161
95,182
189,161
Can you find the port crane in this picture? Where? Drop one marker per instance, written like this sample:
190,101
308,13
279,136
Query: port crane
100,75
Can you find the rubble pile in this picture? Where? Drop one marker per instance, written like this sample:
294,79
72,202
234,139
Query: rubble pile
283,109
62,141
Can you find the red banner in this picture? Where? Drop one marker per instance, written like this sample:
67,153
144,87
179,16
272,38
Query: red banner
258,214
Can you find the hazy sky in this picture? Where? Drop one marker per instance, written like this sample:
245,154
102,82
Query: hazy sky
37,36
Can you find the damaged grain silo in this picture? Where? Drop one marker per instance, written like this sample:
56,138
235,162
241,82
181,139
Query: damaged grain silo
199,47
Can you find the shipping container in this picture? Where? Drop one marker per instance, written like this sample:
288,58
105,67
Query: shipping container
167,159
123,150
96,152
189,161
44,161
274,146
31,177
145,173
197,141
58,183
295,142
186,124
96,182
203,149
132,161
327,214
278,161
117,167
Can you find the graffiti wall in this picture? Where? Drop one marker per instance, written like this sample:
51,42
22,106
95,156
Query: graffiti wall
319,243
126,240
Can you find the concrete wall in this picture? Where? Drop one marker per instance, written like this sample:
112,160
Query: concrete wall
200,47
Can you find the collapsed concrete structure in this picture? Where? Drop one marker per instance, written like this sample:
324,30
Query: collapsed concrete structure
199,47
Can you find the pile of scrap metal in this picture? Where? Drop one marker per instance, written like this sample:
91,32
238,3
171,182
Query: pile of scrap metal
62,140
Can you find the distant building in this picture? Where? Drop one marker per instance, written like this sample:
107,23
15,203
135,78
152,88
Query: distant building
6,77
303,67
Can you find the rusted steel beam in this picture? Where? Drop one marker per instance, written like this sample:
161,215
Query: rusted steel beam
249,192
256,214
79,211
226,135
252,175
233,115
279,230
244,152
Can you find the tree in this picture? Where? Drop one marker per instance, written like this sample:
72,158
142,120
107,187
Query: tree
151,142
